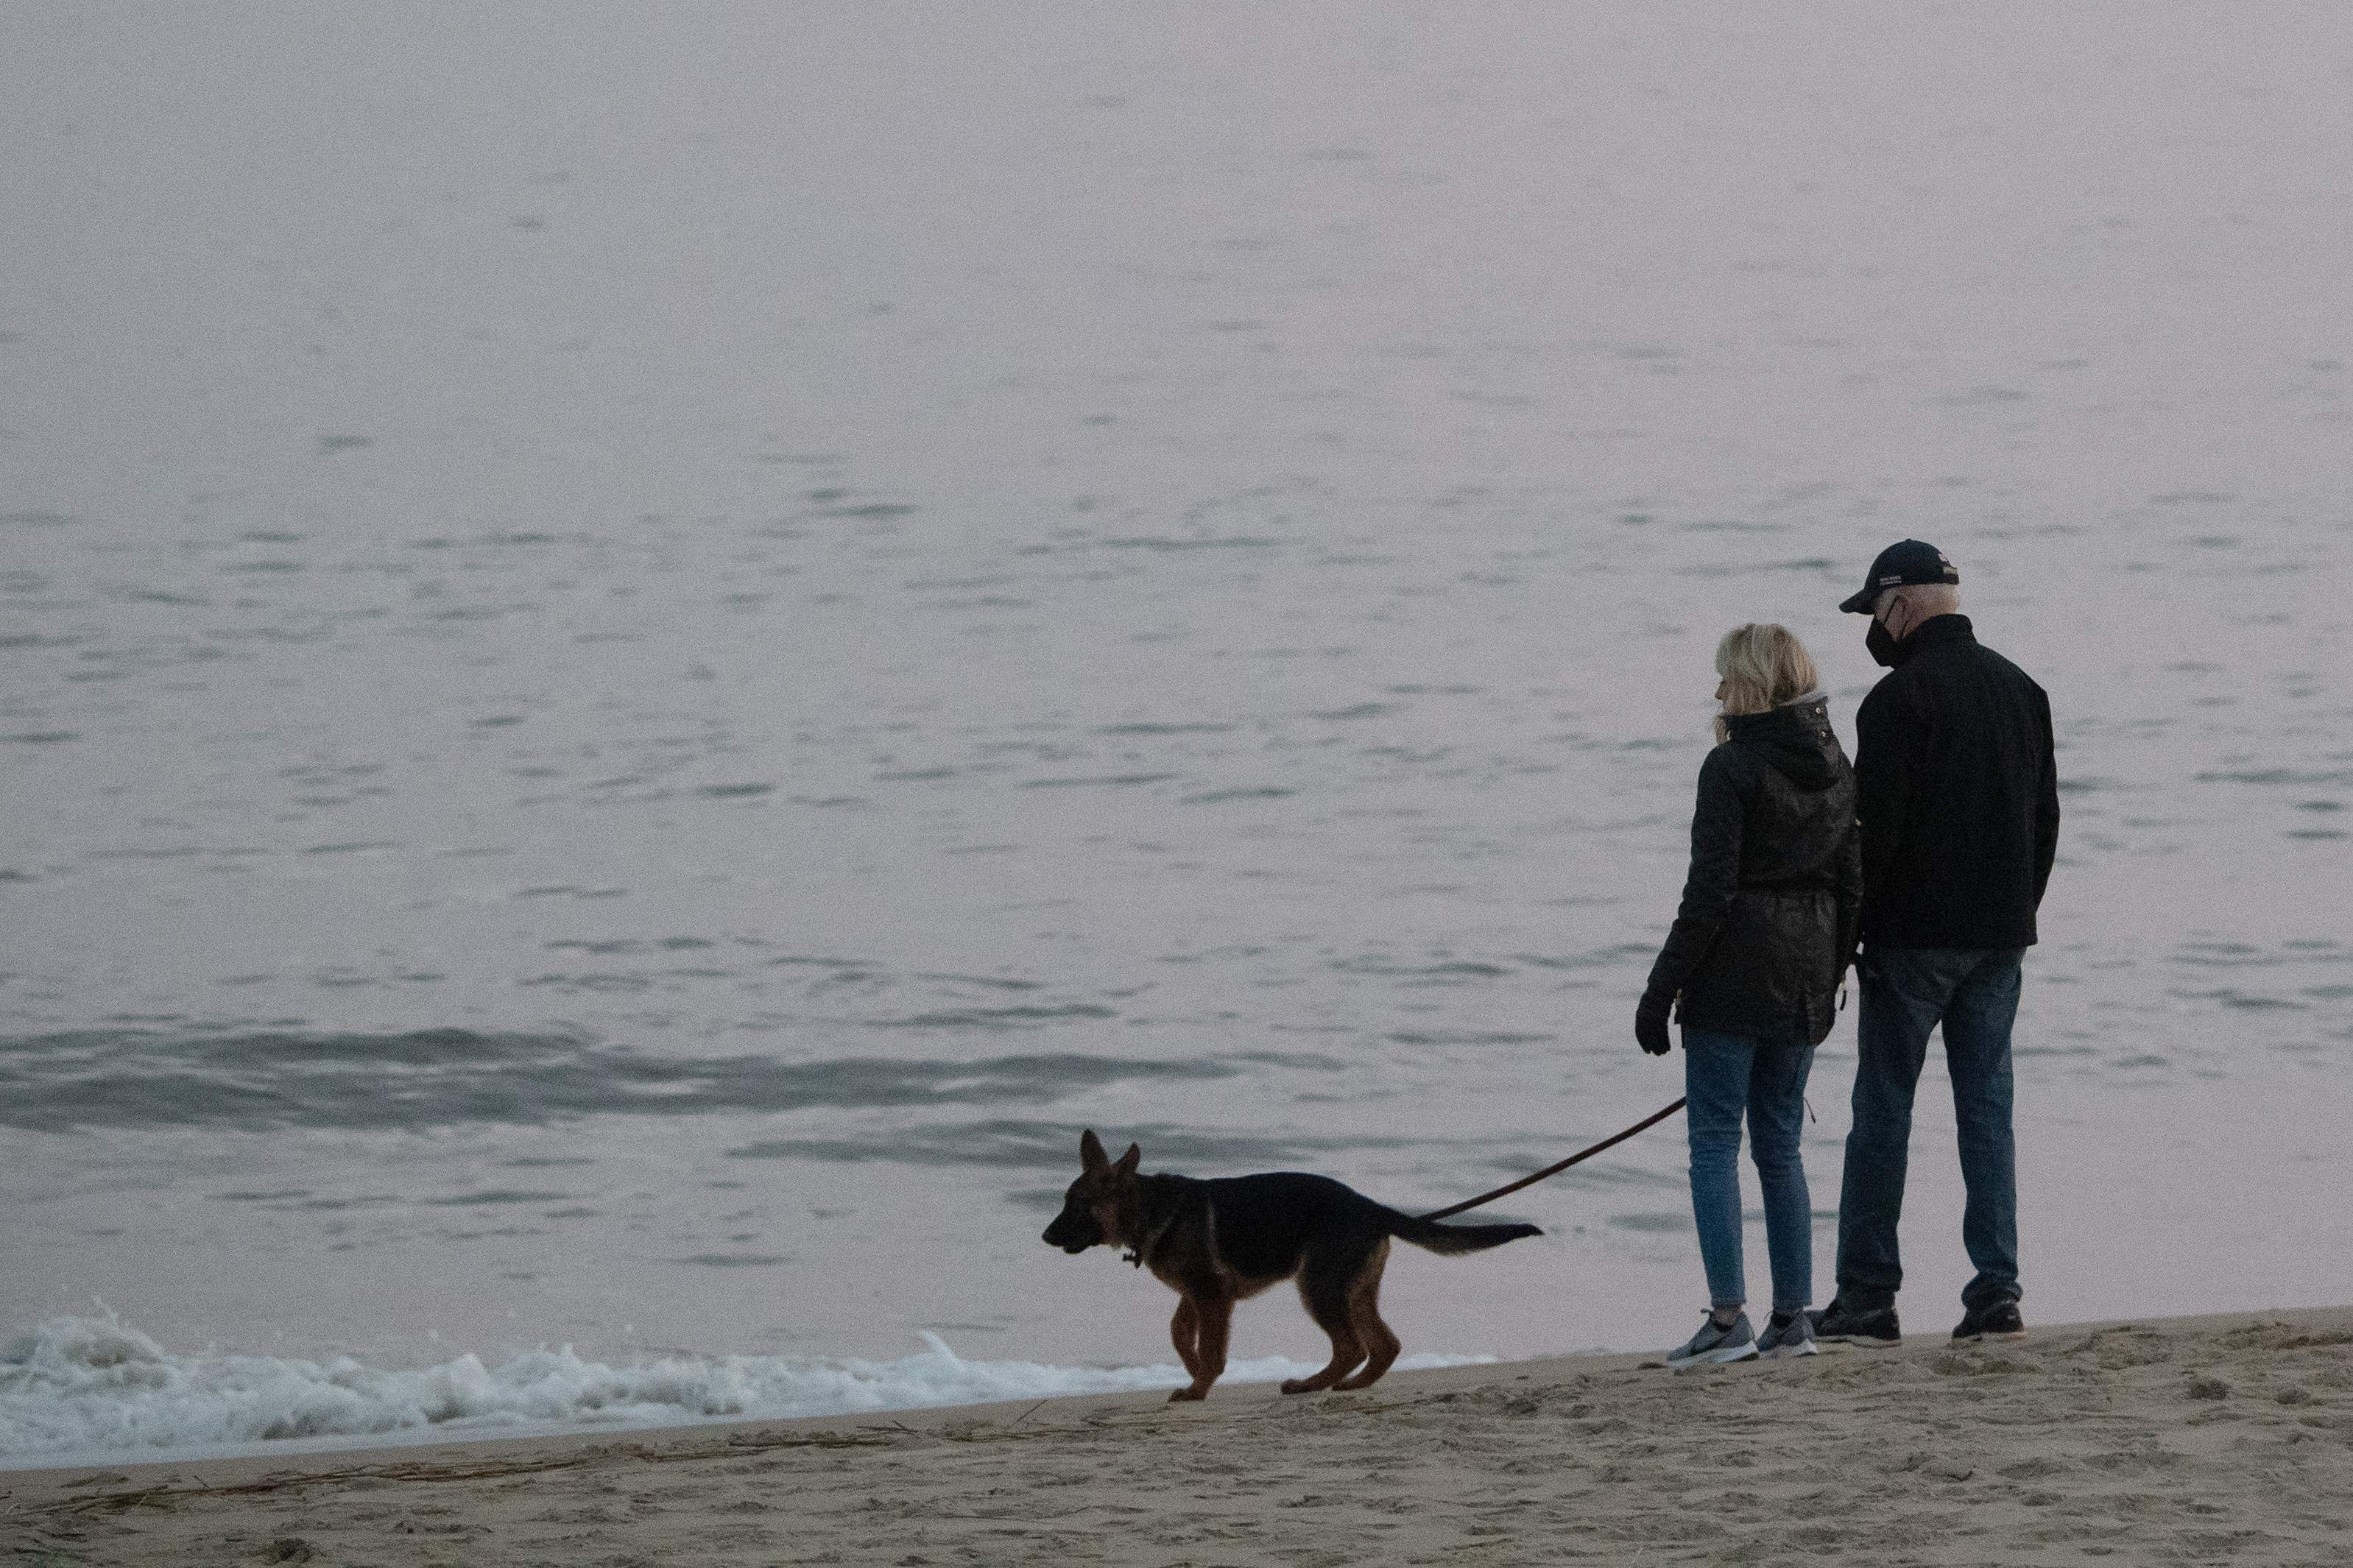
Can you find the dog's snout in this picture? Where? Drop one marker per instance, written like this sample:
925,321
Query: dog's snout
1072,1233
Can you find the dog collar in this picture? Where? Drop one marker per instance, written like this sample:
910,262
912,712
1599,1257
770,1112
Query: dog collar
1137,1254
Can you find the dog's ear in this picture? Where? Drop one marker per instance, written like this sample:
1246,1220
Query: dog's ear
1128,1162
1091,1157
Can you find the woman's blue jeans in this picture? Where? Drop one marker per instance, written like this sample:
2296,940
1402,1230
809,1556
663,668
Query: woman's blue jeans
1724,1076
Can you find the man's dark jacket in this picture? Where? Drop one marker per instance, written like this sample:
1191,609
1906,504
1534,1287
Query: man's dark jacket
1958,796
1768,921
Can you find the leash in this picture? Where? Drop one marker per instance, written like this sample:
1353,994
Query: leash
1650,1120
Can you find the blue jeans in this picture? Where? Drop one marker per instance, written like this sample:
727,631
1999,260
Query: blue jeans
1725,1075
1907,992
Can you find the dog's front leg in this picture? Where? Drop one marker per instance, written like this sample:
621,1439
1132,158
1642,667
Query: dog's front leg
1183,1331
1214,1317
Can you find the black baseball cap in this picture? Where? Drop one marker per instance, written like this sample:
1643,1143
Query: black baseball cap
1905,561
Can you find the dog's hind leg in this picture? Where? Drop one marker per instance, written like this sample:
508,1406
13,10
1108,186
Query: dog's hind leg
1214,1319
1185,1331
1323,1286
1365,1315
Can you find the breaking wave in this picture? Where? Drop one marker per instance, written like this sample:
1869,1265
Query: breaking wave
91,1387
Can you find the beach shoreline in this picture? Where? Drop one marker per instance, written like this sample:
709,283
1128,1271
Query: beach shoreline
2223,1436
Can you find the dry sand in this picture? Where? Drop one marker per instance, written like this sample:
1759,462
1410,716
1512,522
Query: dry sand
2223,1439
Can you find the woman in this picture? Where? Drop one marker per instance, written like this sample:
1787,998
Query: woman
1752,967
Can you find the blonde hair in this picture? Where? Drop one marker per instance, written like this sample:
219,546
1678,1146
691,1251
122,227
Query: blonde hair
1763,666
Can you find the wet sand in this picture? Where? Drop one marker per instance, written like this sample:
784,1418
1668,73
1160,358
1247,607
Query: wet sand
2211,1439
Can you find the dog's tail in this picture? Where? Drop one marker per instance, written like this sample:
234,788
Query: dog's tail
1451,1240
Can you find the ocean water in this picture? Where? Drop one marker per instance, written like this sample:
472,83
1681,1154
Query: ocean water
644,656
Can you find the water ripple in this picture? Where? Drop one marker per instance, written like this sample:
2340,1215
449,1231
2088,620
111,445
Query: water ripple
442,1078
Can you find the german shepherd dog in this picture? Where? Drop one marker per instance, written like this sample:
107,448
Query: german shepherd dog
1216,1242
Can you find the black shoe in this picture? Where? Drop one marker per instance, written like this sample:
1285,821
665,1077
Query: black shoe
1839,1325
1996,1319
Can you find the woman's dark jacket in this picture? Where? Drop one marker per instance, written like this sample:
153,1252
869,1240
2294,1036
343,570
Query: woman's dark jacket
1768,923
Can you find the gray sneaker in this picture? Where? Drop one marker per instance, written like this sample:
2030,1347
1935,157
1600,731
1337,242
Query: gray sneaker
1714,1344
1794,1336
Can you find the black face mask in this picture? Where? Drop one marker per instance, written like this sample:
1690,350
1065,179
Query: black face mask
1884,650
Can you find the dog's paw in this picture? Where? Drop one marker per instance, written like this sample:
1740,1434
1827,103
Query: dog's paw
1299,1386
1178,1394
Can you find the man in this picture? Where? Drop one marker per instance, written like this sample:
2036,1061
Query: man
1959,805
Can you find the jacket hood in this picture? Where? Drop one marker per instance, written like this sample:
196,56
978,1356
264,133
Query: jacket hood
1795,739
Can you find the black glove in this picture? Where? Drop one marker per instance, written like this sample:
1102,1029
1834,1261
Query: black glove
1651,1027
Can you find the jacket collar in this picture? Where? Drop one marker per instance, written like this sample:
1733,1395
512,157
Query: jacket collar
1936,632
1797,716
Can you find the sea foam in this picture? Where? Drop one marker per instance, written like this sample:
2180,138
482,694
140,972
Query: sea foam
90,1387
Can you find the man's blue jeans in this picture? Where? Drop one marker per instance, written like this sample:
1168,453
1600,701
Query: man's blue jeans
1725,1075
1906,993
